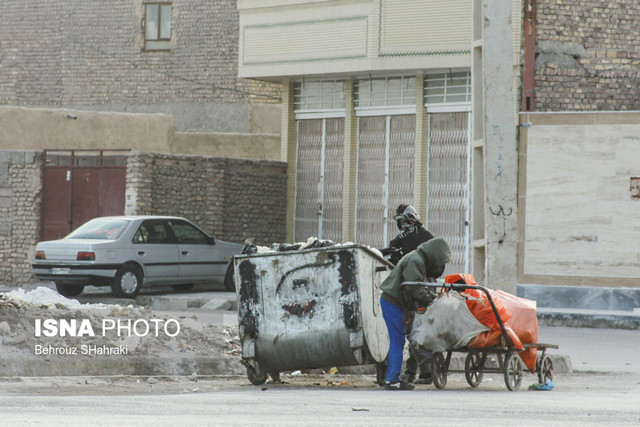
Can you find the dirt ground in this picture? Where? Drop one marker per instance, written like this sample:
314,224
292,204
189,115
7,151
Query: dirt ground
41,325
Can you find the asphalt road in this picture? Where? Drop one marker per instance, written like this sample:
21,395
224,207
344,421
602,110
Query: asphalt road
577,400
604,389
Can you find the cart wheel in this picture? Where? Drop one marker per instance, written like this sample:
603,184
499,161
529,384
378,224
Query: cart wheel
513,371
256,375
545,370
381,371
439,370
473,365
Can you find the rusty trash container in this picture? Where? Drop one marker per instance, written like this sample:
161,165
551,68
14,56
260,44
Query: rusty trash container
310,309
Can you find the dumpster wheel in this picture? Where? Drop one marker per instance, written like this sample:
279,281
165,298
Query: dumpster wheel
256,374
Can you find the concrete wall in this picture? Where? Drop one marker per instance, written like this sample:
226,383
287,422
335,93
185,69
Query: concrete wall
39,129
579,213
495,147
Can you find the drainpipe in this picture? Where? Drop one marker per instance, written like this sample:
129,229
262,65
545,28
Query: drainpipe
529,71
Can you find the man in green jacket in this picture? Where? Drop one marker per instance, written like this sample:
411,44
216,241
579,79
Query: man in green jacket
425,264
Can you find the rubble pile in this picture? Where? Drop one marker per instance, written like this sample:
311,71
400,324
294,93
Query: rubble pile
42,326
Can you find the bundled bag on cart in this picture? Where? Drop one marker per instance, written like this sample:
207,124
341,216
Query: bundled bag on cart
465,319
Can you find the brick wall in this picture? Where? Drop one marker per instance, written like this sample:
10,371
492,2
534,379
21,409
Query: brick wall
69,54
587,55
233,199
20,186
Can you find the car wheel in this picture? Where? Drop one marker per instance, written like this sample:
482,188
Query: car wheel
183,288
229,280
69,290
127,282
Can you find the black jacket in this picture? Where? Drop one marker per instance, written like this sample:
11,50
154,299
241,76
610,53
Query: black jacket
409,239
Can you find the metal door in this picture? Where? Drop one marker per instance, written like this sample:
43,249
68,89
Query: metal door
85,195
448,187
77,188
386,151
318,205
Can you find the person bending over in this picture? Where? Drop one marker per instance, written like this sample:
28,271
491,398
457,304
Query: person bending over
426,263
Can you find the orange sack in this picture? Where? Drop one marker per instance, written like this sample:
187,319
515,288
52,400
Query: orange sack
524,323
517,314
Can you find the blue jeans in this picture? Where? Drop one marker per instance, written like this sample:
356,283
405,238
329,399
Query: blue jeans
395,326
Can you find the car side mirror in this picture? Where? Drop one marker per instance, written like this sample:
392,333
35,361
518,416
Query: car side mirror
212,240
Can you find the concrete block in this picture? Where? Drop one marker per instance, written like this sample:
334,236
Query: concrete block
219,304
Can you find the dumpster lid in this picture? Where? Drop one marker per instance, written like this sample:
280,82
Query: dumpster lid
265,252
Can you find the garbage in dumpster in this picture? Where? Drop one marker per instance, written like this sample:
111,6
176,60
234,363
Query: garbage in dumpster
312,242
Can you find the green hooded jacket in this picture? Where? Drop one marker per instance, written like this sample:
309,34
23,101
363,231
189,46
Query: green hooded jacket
426,262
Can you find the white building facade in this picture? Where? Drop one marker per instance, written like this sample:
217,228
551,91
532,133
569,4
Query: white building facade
377,111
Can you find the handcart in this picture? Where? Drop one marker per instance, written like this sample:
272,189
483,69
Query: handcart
310,309
477,361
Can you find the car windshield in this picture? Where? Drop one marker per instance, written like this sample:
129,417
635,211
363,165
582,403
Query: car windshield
100,228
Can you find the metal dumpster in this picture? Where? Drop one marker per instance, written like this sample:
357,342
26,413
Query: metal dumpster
312,308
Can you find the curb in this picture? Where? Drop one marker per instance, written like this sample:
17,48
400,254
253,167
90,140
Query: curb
122,365
588,319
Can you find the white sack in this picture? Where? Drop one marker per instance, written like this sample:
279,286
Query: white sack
447,324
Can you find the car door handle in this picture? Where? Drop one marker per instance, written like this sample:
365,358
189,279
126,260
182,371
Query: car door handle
141,253
185,252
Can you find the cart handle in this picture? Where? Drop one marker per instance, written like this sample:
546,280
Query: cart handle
460,287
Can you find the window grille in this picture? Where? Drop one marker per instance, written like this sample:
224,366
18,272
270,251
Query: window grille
318,95
447,88
385,92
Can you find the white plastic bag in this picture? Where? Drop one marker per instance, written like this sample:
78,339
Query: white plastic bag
447,324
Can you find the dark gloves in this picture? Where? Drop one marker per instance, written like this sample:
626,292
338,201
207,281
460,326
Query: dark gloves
421,296
392,254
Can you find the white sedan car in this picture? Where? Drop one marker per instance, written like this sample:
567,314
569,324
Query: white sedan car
128,252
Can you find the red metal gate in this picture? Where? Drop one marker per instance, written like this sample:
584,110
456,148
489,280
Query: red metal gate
79,185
